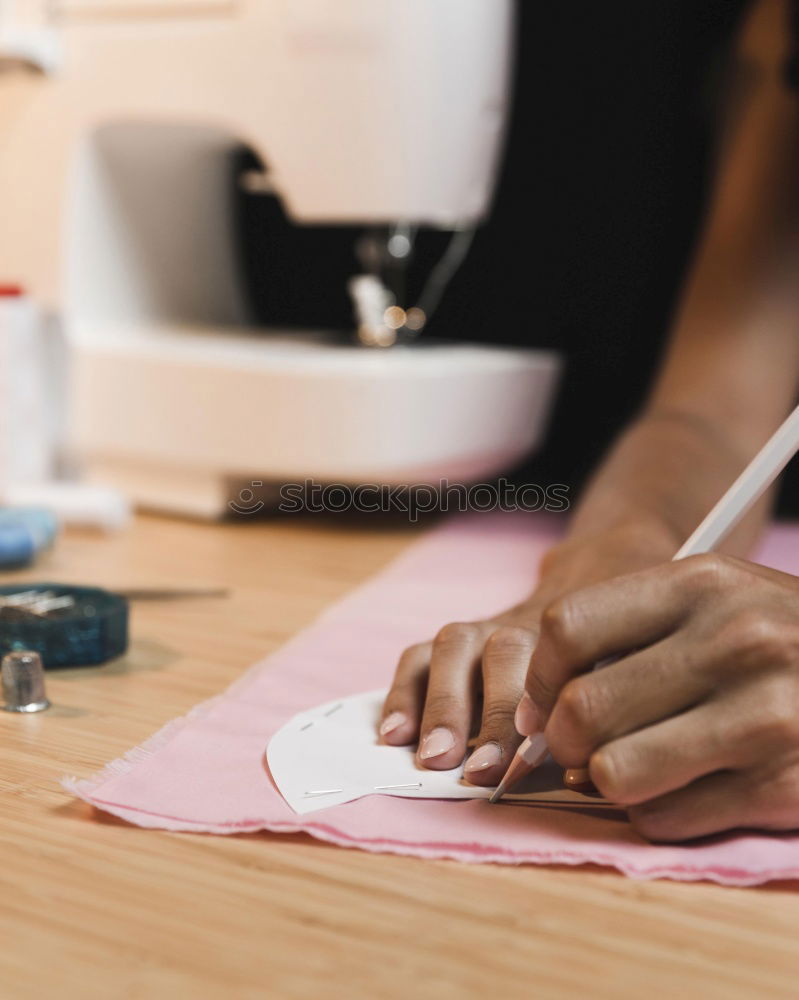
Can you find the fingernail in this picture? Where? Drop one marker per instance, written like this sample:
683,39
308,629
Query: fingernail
578,778
438,741
392,722
527,719
488,755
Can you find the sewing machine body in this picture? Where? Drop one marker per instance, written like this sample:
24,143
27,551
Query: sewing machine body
116,207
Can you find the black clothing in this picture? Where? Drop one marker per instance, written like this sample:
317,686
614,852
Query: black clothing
600,201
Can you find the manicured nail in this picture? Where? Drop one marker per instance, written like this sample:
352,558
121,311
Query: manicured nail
438,741
488,755
579,779
392,722
527,719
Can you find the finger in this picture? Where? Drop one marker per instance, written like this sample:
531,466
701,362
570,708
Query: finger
669,755
610,619
623,697
505,658
402,709
714,803
449,705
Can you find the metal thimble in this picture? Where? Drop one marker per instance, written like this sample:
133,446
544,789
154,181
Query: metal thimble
23,682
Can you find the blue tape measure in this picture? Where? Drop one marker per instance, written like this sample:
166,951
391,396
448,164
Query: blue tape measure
68,626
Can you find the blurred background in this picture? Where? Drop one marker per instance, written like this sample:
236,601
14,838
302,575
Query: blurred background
251,242
617,110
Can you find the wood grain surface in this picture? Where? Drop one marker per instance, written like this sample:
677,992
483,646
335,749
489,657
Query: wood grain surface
94,908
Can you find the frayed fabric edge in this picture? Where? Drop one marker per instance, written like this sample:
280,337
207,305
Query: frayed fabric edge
85,788
727,877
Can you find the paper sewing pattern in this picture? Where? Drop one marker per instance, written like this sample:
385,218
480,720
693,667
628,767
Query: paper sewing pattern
331,755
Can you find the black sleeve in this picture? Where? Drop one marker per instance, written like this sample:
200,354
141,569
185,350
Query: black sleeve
792,63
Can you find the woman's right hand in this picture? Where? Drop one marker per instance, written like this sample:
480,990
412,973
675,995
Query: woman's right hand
469,678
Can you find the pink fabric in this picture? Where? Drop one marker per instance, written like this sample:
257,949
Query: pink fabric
206,771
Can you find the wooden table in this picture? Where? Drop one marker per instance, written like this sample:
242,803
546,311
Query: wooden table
92,907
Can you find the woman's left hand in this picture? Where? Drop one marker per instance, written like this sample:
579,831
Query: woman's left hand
697,730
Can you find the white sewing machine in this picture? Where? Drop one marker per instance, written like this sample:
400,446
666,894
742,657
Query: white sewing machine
117,118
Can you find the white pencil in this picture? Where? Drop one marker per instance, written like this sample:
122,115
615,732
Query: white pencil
747,489
739,499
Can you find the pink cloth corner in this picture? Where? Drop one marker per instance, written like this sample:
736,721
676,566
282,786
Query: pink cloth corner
206,772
